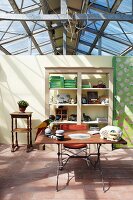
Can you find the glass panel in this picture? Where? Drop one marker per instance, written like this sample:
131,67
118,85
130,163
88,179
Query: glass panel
36,25
125,7
83,47
106,54
130,53
5,6
17,28
113,46
87,36
104,2
17,45
103,53
26,3
47,48
3,27
42,37
128,27
35,52
114,29
96,25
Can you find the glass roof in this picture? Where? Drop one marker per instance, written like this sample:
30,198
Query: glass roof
82,37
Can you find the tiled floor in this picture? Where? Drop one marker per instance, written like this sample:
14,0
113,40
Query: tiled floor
32,176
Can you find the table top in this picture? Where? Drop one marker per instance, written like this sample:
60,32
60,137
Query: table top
94,139
21,114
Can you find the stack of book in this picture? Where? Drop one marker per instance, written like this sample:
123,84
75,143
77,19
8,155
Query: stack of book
56,82
68,83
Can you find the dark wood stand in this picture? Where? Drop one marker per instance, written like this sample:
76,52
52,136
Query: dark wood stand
15,129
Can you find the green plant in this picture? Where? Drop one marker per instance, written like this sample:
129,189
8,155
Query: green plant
23,103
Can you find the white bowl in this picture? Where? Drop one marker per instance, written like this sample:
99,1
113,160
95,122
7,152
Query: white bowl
79,136
59,132
47,131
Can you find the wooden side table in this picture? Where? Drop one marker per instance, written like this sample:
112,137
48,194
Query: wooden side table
15,129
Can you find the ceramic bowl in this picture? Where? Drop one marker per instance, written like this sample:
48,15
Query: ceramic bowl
59,137
59,132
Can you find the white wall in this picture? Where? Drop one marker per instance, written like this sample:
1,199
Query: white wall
22,77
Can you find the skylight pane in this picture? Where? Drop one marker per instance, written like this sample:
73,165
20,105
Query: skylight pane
114,29
17,27
35,52
83,47
97,25
3,27
36,25
130,53
128,29
26,3
125,7
5,6
17,45
94,52
87,36
112,45
103,53
104,2
47,48
42,37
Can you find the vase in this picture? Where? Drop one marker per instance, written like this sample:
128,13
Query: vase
22,109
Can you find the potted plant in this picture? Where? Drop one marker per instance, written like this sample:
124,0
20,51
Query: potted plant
23,105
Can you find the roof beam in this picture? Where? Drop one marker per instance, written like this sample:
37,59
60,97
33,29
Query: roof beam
126,51
84,10
65,17
45,8
4,50
24,24
64,11
105,24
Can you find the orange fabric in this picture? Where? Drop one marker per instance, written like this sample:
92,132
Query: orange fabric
75,146
73,127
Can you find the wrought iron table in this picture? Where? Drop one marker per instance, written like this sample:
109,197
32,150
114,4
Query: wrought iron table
94,139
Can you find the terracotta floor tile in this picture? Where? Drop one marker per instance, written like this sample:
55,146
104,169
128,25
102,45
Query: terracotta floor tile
32,176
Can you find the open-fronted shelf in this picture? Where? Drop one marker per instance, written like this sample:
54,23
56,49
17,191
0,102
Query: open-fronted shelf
86,94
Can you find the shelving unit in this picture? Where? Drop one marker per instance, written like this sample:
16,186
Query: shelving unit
86,76
61,113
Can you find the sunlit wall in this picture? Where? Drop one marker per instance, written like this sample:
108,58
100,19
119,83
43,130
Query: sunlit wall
22,77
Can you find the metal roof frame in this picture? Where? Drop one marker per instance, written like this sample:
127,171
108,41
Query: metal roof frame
61,19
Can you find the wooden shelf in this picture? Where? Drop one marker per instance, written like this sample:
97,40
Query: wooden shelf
75,122
94,122
62,88
65,122
21,130
106,105
61,104
95,89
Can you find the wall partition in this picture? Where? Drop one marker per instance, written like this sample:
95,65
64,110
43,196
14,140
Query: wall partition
123,97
